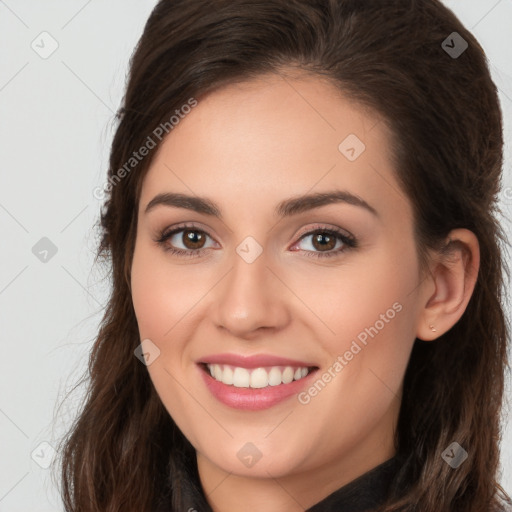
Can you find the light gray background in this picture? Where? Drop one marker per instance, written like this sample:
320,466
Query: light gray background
55,130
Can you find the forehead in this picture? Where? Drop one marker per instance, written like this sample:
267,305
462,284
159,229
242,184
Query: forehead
273,137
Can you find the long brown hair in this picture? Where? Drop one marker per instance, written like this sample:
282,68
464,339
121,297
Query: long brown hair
124,451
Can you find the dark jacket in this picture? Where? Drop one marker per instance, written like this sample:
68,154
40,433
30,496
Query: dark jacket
364,494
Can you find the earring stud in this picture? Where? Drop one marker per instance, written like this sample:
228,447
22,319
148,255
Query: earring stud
432,328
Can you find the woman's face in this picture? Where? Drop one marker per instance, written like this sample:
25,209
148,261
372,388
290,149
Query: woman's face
298,256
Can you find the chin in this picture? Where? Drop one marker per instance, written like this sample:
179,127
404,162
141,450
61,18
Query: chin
247,459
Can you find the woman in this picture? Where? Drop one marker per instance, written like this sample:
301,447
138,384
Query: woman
306,304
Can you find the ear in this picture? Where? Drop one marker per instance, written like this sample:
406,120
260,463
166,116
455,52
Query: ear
453,276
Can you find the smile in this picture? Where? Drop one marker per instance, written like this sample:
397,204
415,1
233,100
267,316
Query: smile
254,382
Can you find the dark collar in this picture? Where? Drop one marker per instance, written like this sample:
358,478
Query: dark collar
365,493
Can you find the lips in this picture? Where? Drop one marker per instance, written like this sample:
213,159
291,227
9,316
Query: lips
254,382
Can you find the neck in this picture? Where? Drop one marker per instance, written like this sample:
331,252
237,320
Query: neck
227,492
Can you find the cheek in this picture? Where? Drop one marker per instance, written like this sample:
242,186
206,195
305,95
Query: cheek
369,309
161,296
160,305
363,292
151,300
380,327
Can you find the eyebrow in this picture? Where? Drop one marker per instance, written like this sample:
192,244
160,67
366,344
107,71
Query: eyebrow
286,208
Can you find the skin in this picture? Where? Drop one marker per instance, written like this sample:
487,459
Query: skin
247,147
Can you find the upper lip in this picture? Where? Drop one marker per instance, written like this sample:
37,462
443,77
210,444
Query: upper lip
254,361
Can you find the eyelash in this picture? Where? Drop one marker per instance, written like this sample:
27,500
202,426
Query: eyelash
349,241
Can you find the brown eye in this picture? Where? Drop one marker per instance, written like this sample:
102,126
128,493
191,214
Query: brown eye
185,241
324,241
193,239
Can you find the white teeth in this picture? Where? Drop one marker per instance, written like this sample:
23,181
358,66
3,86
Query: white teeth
256,377
288,375
275,377
241,378
227,375
222,375
259,378
217,372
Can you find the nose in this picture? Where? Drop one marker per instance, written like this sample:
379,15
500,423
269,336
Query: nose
251,300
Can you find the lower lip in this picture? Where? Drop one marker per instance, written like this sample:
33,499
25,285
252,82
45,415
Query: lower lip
253,399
